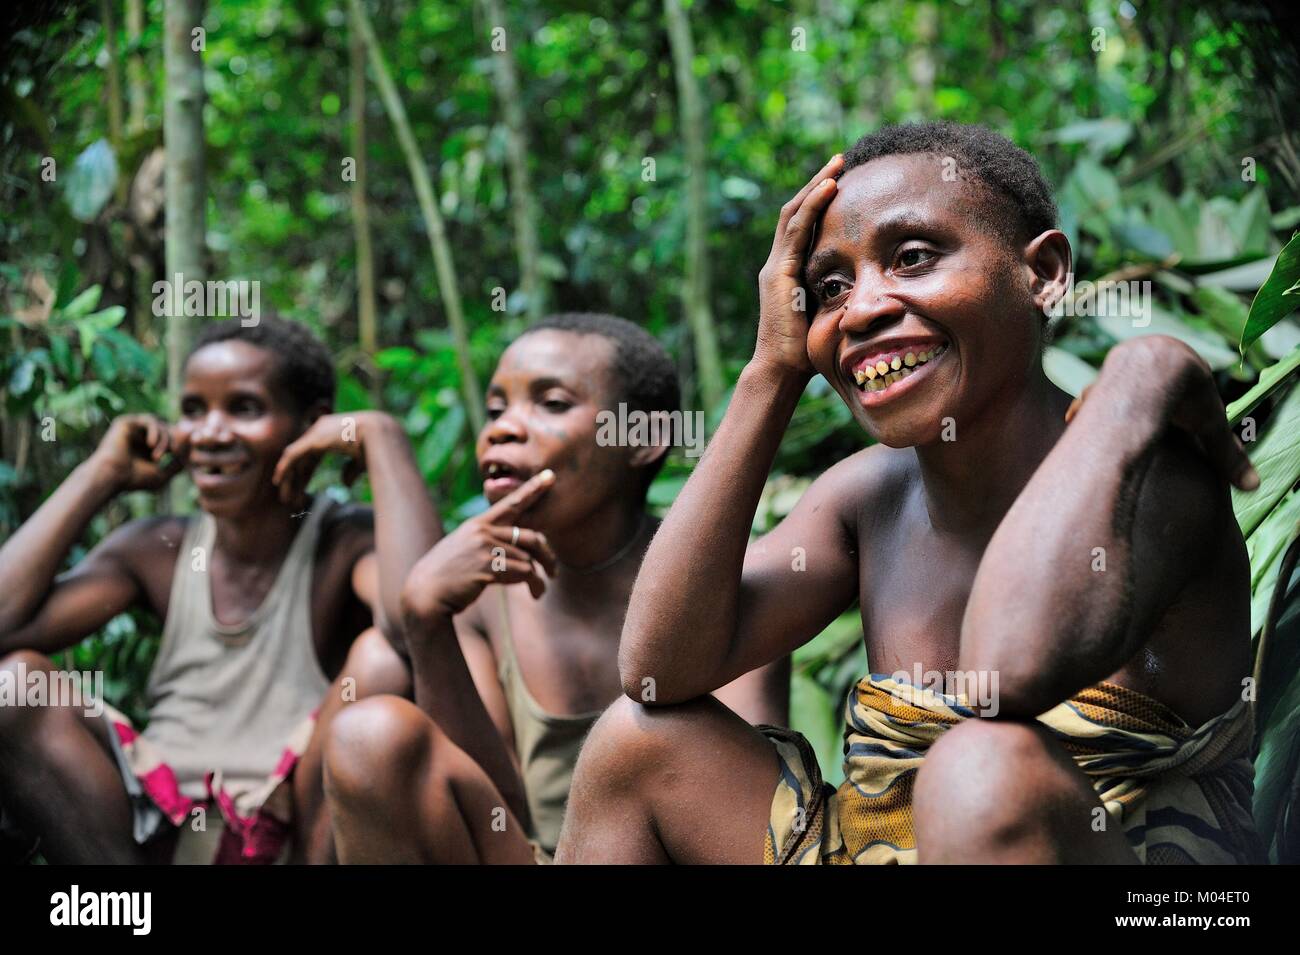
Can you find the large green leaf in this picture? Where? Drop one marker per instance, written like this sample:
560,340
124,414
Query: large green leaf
1093,193
1266,546
1277,459
1270,379
1278,760
1067,370
1166,216
1163,322
1099,136
1278,296
1250,223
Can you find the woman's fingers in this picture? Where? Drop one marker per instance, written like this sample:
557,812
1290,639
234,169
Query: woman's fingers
534,543
151,436
299,456
506,510
791,208
179,442
521,571
798,232
287,458
1226,452
296,474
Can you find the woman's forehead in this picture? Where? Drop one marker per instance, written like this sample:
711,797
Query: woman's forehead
575,359
233,360
895,191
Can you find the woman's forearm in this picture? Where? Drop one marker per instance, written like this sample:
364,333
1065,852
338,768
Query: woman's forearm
681,621
406,520
30,560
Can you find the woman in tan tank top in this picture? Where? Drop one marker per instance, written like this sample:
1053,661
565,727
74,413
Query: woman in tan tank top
262,595
513,620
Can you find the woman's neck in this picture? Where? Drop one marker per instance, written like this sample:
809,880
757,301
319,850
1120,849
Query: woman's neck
971,481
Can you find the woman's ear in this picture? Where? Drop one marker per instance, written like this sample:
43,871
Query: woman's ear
315,412
649,454
1050,261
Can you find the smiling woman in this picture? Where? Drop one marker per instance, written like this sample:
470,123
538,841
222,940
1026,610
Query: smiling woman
235,424
262,596
905,261
942,536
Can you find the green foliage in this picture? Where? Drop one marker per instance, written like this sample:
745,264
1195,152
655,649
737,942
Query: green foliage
63,377
1278,296
1142,137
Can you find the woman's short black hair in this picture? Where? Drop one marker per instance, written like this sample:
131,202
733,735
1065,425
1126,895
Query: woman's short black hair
1015,193
643,375
643,370
304,368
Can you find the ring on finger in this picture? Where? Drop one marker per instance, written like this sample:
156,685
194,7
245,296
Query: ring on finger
514,535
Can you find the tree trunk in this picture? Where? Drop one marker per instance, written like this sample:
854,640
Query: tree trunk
186,192
696,291
137,88
114,89
433,223
367,331
524,206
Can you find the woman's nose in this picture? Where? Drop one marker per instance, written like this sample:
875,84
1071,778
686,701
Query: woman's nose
213,428
868,304
505,427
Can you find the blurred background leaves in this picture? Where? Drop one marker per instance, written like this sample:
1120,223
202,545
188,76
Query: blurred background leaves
1168,129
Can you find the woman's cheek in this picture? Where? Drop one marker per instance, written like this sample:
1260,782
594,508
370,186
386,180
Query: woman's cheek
821,344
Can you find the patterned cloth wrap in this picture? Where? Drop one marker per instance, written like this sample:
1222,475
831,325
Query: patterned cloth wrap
1181,794
255,814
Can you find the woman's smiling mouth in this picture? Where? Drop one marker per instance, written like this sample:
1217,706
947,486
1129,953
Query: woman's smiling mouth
208,474
887,373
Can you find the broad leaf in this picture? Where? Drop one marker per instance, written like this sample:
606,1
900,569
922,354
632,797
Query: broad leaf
1067,371
1277,459
1270,379
1278,296
90,184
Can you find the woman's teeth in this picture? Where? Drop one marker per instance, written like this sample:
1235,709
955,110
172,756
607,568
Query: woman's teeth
888,370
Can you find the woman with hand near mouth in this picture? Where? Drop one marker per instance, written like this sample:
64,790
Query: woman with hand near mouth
262,597
512,621
969,535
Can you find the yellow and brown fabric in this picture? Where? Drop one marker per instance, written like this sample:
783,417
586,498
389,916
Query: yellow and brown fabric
1182,794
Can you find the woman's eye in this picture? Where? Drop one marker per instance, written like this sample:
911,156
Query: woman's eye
556,404
247,409
829,289
914,256
494,412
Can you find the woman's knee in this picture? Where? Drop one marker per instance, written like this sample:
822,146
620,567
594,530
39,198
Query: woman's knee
632,743
991,783
373,744
376,667
19,714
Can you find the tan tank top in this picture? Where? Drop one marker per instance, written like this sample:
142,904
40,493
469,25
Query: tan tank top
547,745
227,698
